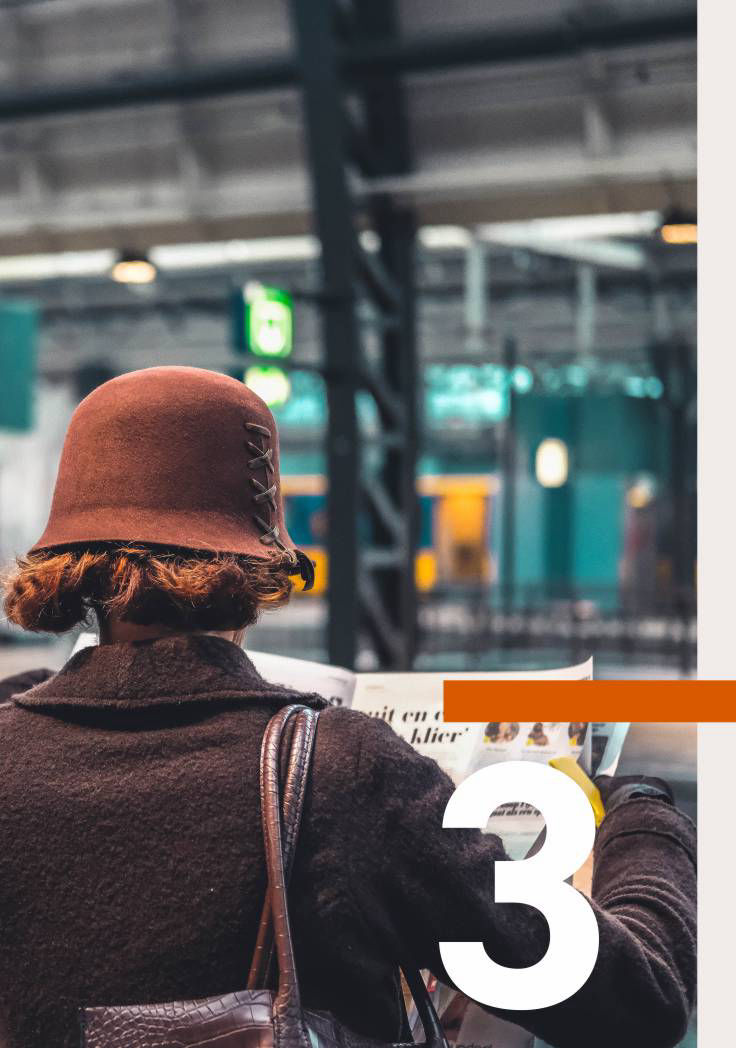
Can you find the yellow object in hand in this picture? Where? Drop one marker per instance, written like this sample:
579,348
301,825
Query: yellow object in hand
572,769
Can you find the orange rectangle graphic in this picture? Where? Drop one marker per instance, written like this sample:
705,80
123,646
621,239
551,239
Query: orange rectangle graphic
600,700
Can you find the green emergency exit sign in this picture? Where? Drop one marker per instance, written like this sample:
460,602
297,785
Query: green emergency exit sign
18,351
269,321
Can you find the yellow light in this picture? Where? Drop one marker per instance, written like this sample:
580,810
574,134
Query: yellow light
134,271
271,384
679,233
551,463
425,570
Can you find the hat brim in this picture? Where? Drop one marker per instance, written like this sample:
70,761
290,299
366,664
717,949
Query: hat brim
199,531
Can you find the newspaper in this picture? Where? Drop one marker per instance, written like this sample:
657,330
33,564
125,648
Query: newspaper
412,704
331,682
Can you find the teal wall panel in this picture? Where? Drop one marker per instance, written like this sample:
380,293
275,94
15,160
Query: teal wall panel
598,529
18,352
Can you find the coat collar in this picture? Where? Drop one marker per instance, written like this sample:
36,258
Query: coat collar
167,671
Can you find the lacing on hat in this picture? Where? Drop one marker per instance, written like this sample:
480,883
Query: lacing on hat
266,495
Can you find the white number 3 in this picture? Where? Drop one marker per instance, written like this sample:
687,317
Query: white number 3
538,882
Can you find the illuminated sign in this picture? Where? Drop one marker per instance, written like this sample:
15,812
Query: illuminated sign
269,321
271,384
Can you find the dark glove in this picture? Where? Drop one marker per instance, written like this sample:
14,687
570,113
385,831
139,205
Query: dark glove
614,790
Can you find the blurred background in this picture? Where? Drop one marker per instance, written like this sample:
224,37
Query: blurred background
451,244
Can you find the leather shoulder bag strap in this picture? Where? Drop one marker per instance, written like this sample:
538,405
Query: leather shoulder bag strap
294,768
288,1020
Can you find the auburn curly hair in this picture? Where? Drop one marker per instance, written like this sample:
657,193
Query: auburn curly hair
51,592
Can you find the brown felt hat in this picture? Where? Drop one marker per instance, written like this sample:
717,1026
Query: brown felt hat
175,457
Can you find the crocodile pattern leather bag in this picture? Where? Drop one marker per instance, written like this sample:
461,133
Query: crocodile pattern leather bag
257,1017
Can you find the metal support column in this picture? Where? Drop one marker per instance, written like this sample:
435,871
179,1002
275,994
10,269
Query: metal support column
333,221
371,581
397,474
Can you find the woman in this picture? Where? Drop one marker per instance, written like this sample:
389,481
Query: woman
131,866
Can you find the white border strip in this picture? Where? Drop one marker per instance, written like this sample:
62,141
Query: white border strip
716,517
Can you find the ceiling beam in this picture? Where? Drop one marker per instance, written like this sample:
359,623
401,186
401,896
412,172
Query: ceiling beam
404,55
610,253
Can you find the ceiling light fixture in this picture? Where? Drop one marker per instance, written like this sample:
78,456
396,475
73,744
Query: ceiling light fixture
133,267
678,227
552,463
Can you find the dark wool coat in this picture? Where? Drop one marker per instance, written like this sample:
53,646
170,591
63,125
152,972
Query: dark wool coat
131,861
